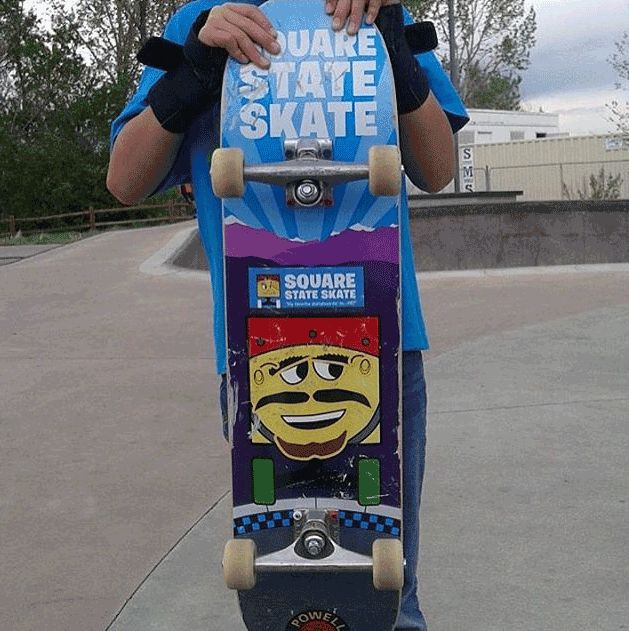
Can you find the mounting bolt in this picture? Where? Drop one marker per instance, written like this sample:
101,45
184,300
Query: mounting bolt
314,542
307,192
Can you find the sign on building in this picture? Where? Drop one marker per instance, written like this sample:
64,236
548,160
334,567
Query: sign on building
616,143
467,169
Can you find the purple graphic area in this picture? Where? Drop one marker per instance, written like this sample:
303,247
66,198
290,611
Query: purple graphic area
317,478
381,244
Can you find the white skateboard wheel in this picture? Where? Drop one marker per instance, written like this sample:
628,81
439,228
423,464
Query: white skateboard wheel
388,564
385,170
239,563
227,172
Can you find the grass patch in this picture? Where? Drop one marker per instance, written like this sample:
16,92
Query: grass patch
58,238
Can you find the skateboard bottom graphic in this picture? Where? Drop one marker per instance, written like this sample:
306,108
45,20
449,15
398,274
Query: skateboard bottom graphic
331,571
339,601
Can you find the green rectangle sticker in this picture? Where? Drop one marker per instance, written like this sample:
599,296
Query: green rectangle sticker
369,482
263,473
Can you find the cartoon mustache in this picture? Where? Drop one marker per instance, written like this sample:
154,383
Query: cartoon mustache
322,396
283,397
335,396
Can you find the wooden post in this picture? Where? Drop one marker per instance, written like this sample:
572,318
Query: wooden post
12,226
92,218
171,211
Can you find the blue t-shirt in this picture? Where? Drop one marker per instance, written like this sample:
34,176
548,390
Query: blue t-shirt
191,166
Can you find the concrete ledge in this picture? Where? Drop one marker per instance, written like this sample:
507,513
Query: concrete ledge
496,206
190,254
521,234
182,257
462,199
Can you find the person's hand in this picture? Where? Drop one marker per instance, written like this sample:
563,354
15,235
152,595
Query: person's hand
238,28
341,10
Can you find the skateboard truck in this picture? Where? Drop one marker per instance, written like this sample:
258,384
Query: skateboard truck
308,172
315,548
308,192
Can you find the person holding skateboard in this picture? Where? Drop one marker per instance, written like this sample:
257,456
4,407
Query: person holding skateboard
153,149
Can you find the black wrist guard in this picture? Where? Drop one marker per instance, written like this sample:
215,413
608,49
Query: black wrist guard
421,37
411,83
193,79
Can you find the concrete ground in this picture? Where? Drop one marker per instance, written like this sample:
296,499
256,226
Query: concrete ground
114,478
15,253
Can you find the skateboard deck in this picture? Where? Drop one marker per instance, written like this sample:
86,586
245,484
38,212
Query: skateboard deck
312,282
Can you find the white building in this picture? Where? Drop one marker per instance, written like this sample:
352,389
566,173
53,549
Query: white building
490,127
497,126
503,152
551,168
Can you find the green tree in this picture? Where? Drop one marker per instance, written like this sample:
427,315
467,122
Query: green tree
54,118
602,187
112,31
493,43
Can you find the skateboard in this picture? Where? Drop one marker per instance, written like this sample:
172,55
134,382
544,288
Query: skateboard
310,178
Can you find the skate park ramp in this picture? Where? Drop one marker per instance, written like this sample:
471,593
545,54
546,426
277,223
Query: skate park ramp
519,234
114,501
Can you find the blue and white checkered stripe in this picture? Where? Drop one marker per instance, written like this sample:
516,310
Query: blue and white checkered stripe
263,521
347,519
370,521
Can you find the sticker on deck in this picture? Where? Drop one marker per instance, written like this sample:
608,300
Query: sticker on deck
306,288
316,620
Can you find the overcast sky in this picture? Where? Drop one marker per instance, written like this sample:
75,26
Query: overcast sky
569,72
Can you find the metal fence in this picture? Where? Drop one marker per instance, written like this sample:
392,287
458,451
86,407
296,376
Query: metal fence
565,180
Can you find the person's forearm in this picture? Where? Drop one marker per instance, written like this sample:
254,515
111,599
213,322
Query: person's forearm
148,145
141,158
427,146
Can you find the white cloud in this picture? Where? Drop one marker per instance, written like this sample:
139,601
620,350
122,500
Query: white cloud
570,74
581,112
575,39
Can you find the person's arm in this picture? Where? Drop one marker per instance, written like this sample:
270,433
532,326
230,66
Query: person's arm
146,148
426,140
142,156
427,146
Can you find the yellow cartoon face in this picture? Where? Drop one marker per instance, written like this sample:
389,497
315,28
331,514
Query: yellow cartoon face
268,285
312,399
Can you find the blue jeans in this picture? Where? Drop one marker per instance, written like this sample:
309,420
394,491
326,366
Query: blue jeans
414,455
